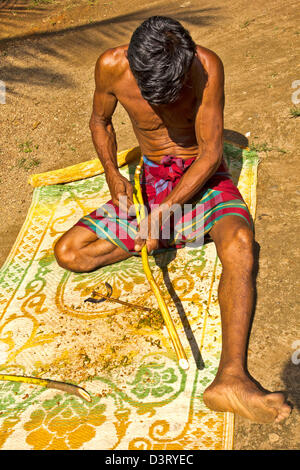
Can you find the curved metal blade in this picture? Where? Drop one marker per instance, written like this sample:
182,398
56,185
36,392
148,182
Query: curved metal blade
98,301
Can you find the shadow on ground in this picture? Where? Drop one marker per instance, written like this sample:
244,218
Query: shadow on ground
291,378
163,263
82,43
14,12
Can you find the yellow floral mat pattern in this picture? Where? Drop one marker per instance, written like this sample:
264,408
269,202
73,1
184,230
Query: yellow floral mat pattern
141,399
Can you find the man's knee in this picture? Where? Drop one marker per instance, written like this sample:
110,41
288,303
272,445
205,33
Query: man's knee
67,256
238,249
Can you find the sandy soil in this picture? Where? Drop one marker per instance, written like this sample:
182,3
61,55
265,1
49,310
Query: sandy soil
47,54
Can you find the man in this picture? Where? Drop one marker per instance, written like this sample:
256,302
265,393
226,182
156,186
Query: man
173,92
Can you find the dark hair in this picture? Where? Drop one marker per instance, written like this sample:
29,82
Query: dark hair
160,54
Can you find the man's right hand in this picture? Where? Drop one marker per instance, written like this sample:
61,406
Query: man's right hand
120,188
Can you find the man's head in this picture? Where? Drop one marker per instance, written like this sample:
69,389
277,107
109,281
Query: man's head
160,54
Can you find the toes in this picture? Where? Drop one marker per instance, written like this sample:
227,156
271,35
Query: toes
283,413
277,401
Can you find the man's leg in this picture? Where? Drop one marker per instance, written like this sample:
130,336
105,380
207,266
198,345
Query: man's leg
232,389
80,250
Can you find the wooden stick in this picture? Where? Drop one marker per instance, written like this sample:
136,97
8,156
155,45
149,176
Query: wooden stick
140,214
122,302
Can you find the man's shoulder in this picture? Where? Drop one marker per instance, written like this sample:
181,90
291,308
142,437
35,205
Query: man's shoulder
209,60
113,61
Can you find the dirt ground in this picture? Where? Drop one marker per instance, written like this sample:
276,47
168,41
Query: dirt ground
48,50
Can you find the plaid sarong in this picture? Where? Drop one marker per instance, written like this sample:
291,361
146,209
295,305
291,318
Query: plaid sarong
189,224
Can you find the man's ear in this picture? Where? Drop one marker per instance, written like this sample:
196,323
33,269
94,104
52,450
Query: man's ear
126,55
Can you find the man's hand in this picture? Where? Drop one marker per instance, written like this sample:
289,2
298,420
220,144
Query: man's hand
120,188
145,234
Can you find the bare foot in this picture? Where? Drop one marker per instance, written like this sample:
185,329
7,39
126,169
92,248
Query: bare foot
238,394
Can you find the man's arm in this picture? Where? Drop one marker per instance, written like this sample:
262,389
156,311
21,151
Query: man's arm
209,133
102,130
